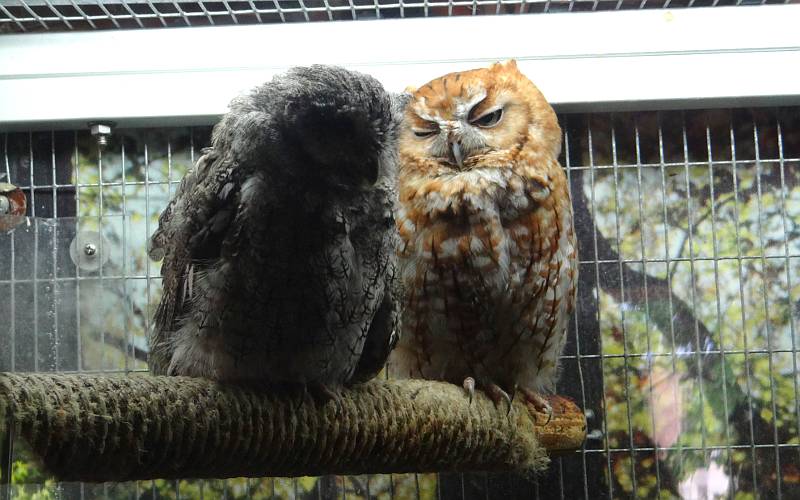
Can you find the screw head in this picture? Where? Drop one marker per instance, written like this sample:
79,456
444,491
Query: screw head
101,131
100,128
90,249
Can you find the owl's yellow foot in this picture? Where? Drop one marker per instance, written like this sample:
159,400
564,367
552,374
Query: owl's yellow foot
469,386
538,402
496,394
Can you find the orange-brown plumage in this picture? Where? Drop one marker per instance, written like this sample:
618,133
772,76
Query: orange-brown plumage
488,252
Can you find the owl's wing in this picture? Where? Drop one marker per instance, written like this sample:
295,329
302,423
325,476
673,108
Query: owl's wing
384,331
189,235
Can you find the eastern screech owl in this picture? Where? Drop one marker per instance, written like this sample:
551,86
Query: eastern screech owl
280,245
488,253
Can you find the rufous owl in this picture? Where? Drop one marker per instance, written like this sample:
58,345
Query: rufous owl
488,253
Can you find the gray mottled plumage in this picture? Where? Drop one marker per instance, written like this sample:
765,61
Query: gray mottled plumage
279,246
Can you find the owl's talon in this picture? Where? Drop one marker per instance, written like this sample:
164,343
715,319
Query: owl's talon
302,398
496,394
469,386
322,394
539,403
301,390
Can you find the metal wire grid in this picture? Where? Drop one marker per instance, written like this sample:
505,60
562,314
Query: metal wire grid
679,162
68,15
683,347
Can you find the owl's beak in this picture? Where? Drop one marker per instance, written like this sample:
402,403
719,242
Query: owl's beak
456,156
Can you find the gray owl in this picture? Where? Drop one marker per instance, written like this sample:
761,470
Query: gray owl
279,246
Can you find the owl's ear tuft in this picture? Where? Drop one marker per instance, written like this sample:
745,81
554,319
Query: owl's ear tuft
507,65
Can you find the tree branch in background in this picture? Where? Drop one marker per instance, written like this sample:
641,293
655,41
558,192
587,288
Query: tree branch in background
668,312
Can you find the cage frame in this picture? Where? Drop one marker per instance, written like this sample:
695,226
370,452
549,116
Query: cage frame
163,77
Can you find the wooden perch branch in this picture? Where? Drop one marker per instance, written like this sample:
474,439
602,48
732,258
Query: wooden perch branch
102,428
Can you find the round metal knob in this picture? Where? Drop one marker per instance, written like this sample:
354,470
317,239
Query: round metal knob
89,251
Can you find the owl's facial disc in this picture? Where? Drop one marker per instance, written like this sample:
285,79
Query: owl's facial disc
461,128
464,137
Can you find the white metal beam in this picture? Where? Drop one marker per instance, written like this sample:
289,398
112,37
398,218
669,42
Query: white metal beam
650,59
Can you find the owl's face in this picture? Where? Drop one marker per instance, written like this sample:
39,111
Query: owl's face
477,119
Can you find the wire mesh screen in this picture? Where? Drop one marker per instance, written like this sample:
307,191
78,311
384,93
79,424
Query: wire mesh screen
683,348
68,15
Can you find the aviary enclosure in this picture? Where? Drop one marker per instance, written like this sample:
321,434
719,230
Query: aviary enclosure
681,144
